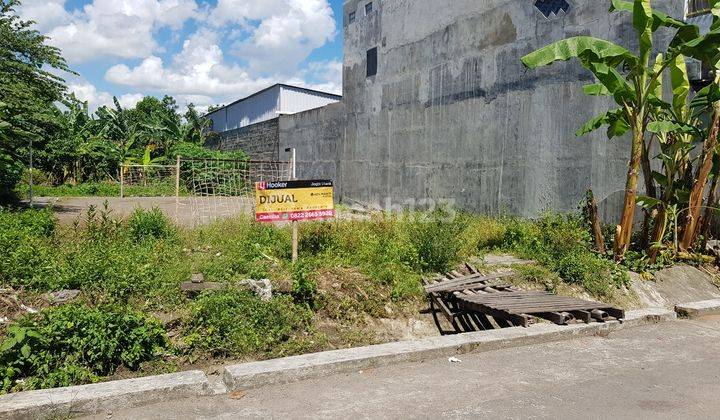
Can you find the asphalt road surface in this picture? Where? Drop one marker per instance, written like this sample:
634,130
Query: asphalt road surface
669,370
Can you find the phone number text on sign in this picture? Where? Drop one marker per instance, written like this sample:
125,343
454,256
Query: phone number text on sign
294,200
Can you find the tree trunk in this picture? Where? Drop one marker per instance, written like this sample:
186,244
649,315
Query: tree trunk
658,233
698,189
624,229
595,222
709,210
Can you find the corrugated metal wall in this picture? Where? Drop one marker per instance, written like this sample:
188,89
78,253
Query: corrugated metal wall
258,108
267,105
297,100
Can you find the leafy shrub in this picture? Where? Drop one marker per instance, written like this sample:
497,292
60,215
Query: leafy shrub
236,323
29,253
10,173
316,237
562,244
482,233
436,238
27,222
304,287
74,344
150,224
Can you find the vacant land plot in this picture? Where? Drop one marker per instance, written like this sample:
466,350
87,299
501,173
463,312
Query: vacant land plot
102,298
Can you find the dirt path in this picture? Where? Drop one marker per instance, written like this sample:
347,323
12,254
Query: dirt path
187,212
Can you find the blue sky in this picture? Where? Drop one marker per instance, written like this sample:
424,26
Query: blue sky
204,52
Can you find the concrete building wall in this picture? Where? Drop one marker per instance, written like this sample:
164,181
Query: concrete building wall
453,114
259,141
317,137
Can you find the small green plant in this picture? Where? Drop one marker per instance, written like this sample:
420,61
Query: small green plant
150,224
436,239
74,344
237,323
304,287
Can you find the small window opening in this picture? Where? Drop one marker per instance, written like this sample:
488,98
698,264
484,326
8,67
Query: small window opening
372,62
368,8
351,17
552,7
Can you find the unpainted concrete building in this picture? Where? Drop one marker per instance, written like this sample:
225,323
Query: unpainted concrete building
438,107
251,124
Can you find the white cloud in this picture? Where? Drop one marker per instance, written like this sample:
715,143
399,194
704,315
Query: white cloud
269,40
199,69
47,14
199,74
103,28
87,92
287,32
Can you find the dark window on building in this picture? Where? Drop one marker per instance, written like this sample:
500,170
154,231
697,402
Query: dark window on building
372,62
351,17
697,7
552,7
368,8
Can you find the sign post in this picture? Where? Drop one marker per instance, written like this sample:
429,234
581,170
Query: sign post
295,223
293,201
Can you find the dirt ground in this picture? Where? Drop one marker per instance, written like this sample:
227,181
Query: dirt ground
188,211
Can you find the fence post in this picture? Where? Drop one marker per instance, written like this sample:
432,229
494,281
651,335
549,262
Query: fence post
177,180
122,180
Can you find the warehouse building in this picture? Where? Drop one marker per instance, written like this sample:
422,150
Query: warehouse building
251,124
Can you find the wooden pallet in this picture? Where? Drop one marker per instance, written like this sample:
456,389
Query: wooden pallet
473,301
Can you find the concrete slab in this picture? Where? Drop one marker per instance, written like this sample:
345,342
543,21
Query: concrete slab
696,309
505,259
295,368
675,285
92,398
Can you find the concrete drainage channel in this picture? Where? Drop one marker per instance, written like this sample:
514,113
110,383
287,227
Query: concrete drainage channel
93,398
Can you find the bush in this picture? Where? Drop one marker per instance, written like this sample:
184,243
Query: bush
304,287
29,252
150,224
74,344
237,323
437,240
27,222
562,244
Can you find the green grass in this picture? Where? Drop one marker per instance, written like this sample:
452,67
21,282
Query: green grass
101,189
350,272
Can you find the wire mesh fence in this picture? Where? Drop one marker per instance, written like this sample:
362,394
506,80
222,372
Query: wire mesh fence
220,188
206,188
148,180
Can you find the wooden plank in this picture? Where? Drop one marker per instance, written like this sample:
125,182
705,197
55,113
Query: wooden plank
479,277
517,319
582,315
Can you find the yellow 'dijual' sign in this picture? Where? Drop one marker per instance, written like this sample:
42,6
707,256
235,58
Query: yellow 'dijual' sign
294,200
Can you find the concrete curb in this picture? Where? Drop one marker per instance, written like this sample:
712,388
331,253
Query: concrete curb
92,398
696,309
296,368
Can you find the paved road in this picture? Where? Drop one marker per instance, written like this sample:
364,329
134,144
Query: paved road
187,211
669,370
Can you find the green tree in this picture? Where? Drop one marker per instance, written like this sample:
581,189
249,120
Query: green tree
29,85
630,80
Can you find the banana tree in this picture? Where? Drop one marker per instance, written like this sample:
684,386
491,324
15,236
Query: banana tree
675,127
707,49
629,80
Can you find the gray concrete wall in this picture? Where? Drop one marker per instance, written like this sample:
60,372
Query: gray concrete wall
260,141
453,114
317,136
